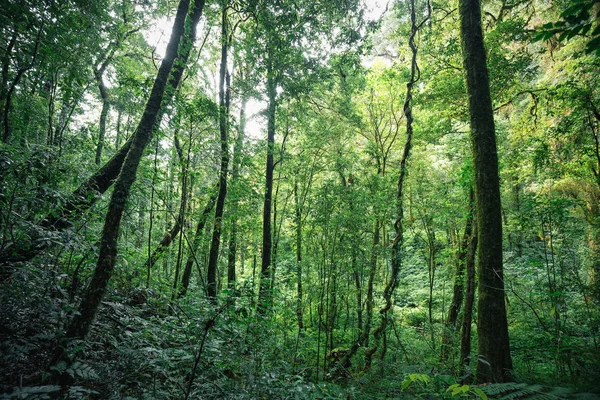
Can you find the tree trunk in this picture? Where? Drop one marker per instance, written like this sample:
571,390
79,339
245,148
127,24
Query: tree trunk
370,301
80,325
495,363
459,283
103,115
178,224
235,175
192,258
264,293
298,222
8,97
6,60
465,332
213,257
185,164
359,304
363,337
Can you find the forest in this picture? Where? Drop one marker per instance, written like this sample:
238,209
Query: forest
299,199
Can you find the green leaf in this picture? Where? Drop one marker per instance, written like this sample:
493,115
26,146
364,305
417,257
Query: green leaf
574,10
593,45
479,393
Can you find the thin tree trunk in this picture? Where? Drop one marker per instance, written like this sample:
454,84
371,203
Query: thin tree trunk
298,221
213,257
118,129
103,115
359,305
459,282
168,238
370,301
363,338
5,70
495,363
465,332
398,224
8,99
149,262
192,258
265,296
185,163
235,176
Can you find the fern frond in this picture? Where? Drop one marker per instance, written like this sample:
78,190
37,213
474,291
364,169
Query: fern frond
514,391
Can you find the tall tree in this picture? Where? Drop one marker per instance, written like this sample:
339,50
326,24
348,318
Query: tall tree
235,176
80,325
495,362
265,294
224,93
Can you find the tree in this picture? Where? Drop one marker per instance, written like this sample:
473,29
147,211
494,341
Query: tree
224,99
494,363
80,325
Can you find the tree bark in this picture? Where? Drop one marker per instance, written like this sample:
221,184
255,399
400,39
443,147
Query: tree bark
264,293
235,175
213,257
103,115
298,223
192,258
458,291
465,331
495,363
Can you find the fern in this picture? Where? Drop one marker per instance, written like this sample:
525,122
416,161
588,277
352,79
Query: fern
514,391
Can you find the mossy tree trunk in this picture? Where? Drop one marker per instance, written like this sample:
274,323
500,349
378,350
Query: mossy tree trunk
213,256
467,319
495,363
235,176
264,294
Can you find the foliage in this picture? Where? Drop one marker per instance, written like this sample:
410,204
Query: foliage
577,19
339,123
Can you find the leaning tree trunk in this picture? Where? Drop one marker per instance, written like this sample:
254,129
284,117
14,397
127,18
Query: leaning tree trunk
495,363
81,323
265,296
192,258
91,190
104,112
179,219
213,256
